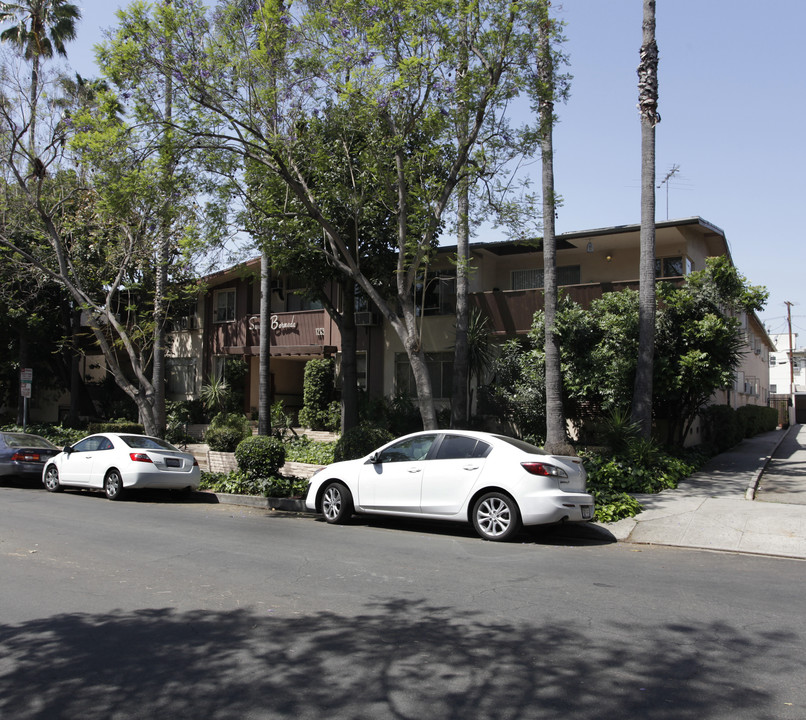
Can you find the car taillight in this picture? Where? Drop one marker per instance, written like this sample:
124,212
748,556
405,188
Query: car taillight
544,469
25,457
195,462
140,457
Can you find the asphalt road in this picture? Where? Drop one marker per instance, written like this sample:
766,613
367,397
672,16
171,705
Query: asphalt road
158,608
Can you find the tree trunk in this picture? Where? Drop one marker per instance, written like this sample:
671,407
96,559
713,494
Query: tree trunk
75,372
459,405
349,363
648,104
556,440
459,395
264,360
163,259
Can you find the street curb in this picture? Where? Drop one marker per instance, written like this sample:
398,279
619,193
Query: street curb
752,488
266,503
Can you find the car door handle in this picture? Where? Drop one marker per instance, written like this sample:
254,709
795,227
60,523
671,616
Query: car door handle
415,470
470,467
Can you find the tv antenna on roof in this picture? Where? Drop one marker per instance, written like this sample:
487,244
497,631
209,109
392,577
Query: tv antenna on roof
669,175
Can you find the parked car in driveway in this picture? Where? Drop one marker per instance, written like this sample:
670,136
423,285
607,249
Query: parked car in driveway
113,462
23,454
497,483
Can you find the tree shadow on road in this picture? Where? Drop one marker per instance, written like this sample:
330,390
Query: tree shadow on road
392,659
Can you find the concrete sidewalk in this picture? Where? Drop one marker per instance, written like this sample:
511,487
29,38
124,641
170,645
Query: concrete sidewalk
750,499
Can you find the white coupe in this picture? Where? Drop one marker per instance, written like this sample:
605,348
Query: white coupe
113,462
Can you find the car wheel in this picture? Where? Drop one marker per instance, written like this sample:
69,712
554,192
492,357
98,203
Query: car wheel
113,485
337,503
496,517
52,479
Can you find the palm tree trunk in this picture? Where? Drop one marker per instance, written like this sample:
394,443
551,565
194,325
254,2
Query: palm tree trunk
556,441
264,359
648,105
461,368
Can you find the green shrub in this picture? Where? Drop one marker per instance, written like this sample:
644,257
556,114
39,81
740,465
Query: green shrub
641,467
238,483
404,416
317,396
116,426
305,450
260,456
226,432
758,419
223,439
612,505
280,420
57,434
722,427
360,441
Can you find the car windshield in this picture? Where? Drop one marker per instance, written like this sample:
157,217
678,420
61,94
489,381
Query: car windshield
522,445
23,440
142,442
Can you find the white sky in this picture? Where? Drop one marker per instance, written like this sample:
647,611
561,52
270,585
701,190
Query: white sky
732,103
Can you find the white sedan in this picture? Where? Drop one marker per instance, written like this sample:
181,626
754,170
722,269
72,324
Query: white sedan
495,482
113,462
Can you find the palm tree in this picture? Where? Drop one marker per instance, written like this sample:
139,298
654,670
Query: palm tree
648,107
556,438
38,29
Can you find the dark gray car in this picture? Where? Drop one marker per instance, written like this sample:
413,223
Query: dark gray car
24,455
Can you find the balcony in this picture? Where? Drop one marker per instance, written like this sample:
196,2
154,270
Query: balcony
511,311
295,333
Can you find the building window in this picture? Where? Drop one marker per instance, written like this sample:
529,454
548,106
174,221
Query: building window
772,360
440,368
773,389
181,376
437,294
224,305
528,279
673,266
298,297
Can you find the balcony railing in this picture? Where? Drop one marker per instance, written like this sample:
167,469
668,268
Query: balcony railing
293,329
511,311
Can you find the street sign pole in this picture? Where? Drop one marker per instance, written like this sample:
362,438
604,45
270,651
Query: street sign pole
26,380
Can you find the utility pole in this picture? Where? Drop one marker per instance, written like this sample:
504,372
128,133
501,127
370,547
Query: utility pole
669,175
791,353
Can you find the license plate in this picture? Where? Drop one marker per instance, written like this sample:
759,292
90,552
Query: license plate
586,512
173,462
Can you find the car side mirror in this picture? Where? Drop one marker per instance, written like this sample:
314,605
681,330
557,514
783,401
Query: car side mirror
375,458
67,449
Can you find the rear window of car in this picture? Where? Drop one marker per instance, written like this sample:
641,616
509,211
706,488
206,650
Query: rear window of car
18,440
522,445
461,447
142,442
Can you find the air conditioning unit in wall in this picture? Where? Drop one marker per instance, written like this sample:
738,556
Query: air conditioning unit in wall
365,319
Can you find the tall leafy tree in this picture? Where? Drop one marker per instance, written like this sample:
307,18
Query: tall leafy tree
93,205
38,29
648,108
390,67
699,344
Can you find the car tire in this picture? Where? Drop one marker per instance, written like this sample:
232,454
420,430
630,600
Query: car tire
113,485
337,503
496,517
51,479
